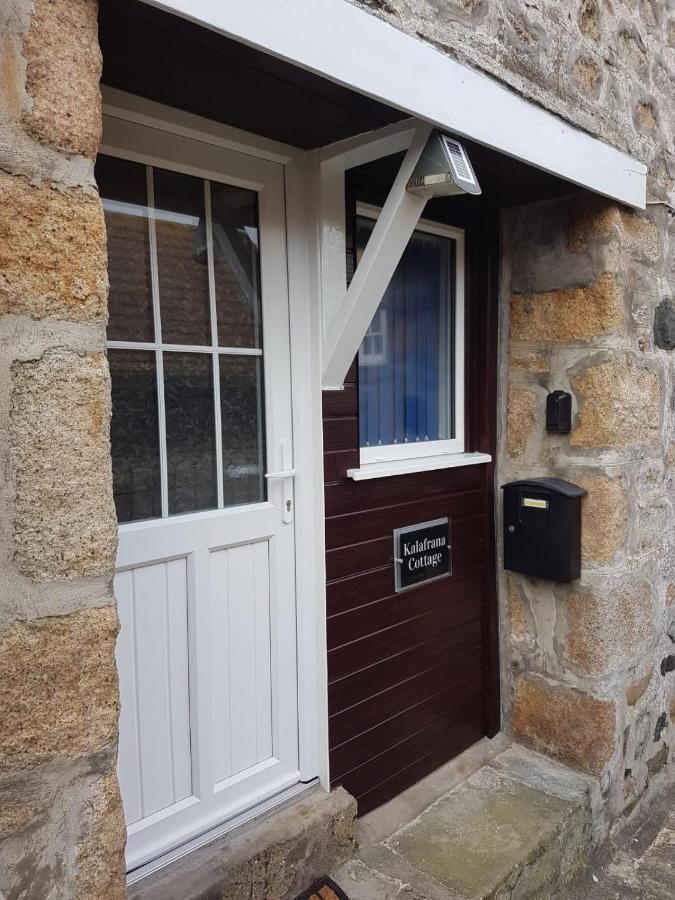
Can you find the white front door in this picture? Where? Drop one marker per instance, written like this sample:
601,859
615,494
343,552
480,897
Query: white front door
198,344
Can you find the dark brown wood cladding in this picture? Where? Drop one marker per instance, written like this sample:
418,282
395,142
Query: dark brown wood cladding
413,677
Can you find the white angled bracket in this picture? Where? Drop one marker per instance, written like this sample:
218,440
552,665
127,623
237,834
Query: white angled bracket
349,311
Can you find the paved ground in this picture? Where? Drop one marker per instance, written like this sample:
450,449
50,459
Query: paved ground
638,864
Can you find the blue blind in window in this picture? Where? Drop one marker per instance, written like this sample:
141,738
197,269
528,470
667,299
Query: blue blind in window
405,359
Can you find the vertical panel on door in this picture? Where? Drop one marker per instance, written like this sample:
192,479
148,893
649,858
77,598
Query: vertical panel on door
152,659
241,644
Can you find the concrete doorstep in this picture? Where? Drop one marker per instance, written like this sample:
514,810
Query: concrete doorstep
519,827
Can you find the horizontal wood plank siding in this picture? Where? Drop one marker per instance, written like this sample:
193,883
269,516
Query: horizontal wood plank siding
407,672
410,676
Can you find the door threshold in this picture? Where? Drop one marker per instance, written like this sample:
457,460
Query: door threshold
214,833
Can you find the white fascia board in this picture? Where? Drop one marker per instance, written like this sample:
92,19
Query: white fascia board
353,48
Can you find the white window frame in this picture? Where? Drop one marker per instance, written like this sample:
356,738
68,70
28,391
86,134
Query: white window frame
428,450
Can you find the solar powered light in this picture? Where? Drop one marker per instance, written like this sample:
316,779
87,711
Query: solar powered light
443,169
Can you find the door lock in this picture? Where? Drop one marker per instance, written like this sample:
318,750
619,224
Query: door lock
286,475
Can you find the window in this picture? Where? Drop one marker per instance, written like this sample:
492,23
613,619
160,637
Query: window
411,360
184,341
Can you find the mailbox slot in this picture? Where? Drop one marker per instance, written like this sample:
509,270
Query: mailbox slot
542,528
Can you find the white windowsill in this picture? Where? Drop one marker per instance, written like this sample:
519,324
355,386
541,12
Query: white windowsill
419,464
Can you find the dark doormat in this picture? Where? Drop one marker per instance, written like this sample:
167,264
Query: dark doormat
323,889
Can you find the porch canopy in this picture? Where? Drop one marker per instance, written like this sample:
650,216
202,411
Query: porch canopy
325,76
355,49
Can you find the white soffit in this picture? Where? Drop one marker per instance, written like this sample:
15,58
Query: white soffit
343,43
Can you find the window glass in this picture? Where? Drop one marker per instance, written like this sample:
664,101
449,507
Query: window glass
406,358
242,429
134,434
182,261
234,215
190,431
123,188
211,421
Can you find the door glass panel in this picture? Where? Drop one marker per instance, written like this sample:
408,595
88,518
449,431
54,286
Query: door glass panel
234,214
182,259
202,272
123,188
190,431
134,434
241,420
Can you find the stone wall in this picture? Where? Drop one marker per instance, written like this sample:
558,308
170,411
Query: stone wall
61,823
588,307
587,665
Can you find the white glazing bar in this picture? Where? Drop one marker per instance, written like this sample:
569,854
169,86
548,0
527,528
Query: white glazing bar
240,351
132,345
214,343
154,278
184,348
207,348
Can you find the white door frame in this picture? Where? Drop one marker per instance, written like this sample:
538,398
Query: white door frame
305,341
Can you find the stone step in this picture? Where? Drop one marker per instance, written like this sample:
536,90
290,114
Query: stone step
517,828
273,857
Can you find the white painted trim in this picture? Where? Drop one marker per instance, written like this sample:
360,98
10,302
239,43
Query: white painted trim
333,241
371,145
304,292
349,46
376,454
426,225
121,105
215,360
421,464
157,324
400,214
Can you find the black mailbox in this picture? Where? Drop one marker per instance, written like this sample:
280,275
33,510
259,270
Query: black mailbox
542,528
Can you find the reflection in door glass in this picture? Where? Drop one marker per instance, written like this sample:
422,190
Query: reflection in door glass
241,418
134,435
190,431
234,213
182,260
123,187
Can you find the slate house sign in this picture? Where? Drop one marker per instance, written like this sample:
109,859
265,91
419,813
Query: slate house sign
421,553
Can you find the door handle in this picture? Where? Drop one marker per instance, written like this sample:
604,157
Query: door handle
284,474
